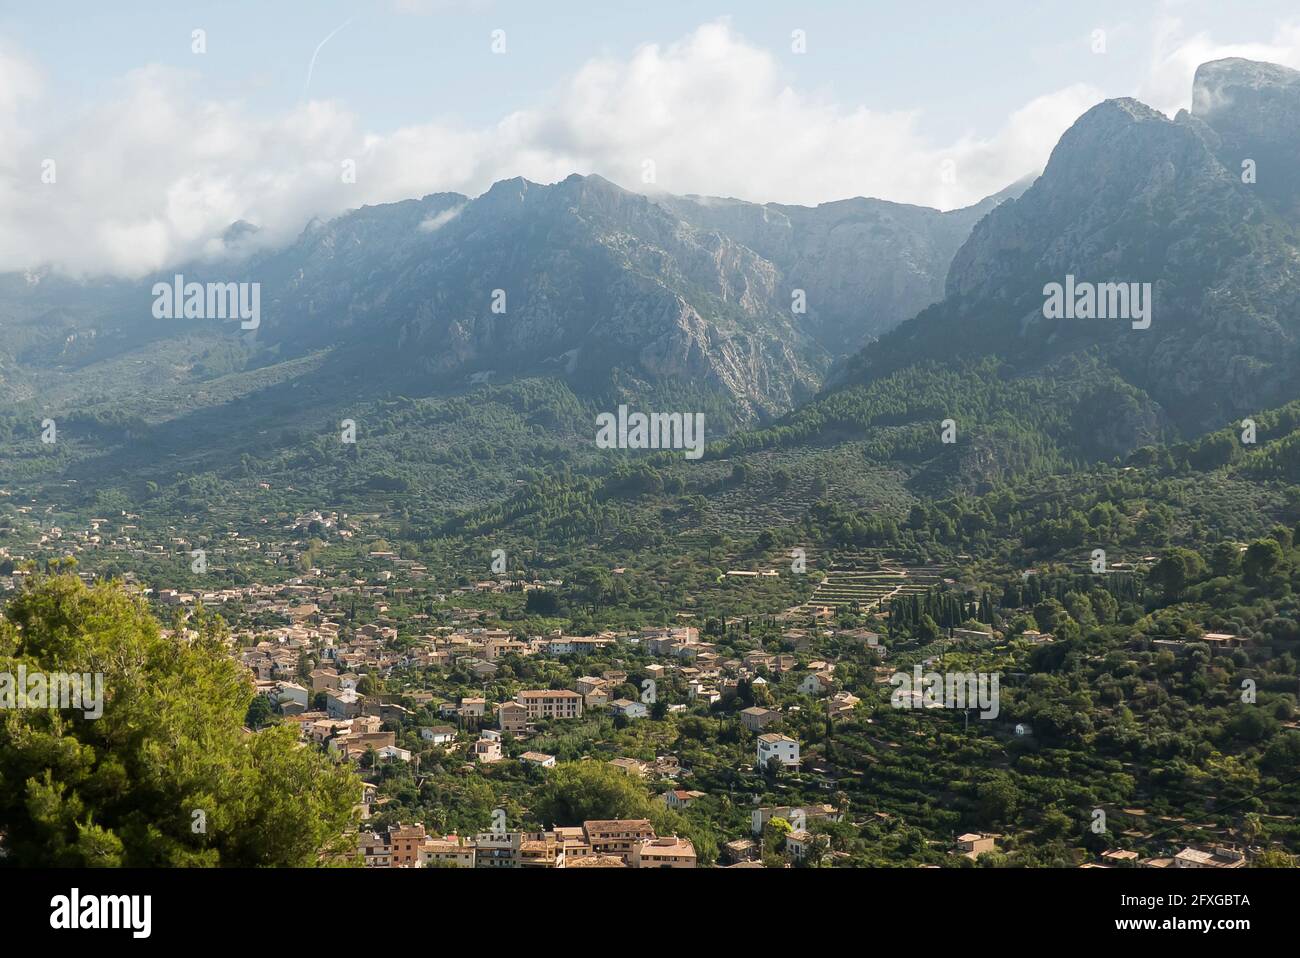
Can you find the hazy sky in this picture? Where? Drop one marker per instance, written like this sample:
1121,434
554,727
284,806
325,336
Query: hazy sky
156,148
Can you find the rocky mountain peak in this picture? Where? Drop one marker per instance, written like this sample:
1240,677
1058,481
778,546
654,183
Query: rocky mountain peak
1254,109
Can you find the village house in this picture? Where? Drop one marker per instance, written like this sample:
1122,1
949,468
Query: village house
663,853
859,637
617,836
387,711
391,753
756,718
799,844
512,717
540,850
405,841
680,798
550,704
1119,856
841,704
1223,640
323,679
571,645
473,707
1218,856
345,703
780,747
740,850
482,669
629,709
666,766
438,734
448,852
589,683
699,692
784,663
974,844
817,683
486,750
375,849
355,743
629,766
1034,637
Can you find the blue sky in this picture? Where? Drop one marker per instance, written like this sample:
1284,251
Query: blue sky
965,66
411,92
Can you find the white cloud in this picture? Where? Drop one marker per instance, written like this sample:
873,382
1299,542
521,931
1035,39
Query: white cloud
1175,55
715,117
20,85
431,224
150,174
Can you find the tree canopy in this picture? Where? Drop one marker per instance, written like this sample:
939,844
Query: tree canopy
168,775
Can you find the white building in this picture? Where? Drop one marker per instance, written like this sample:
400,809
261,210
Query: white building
628,708
817,683
781,747
292,692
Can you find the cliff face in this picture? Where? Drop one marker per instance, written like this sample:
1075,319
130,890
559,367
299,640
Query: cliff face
1253,111
587,280
866,264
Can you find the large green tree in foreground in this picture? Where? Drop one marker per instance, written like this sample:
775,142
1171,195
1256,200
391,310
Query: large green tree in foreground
167,776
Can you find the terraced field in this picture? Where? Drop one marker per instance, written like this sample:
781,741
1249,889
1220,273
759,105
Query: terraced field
870,580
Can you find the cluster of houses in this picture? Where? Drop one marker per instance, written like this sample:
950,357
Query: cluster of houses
617,843
800,842
317,616
121,538
1191,856
974,844
330,699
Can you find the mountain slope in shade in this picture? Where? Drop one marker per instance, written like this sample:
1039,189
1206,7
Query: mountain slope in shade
650,296
598,283
1130,196
580,278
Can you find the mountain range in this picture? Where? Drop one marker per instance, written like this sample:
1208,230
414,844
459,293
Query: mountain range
910,316
580,279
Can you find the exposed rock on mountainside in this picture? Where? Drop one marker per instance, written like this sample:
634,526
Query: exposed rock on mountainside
1254,111
584,278
866,264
